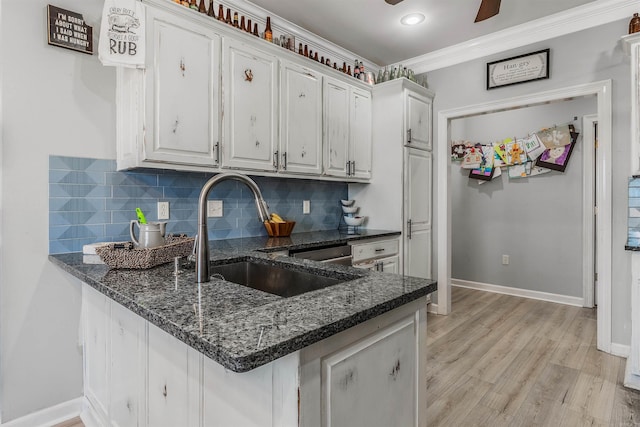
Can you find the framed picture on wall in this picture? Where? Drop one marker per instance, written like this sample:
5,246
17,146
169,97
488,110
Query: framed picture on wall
557,158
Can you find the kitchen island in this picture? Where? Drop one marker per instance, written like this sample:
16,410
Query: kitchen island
161,349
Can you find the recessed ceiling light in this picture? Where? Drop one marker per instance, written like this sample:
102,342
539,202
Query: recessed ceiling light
412,19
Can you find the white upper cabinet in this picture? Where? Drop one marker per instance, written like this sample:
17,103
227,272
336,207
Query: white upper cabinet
336,127
360,134
418,120
301,120
250,107
213,98
182,92
347,130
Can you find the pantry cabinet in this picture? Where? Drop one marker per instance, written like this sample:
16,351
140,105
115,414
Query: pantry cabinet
301,120
250,106
347,130
213,98
400,199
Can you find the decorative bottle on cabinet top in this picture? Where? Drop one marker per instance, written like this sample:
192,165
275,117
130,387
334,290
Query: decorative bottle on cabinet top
634,24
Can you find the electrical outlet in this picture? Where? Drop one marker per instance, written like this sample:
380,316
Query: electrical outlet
505,259
214,208
163,210
306,207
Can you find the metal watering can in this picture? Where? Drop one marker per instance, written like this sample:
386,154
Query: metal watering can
151,234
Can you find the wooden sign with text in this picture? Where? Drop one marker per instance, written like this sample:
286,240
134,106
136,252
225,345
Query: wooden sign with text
67,29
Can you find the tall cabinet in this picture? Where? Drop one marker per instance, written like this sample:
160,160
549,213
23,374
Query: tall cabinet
401,197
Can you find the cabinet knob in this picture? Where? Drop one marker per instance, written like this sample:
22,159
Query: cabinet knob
248,75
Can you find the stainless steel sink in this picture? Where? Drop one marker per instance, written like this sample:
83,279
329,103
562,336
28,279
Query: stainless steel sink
276,280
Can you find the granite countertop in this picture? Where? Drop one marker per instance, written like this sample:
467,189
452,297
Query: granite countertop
242,328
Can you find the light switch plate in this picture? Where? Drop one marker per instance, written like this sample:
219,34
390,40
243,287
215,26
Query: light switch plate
214,208
306,207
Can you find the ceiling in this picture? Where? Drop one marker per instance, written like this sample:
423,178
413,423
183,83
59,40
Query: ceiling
372,30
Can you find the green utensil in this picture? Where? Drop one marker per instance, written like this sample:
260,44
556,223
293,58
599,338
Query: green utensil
141,217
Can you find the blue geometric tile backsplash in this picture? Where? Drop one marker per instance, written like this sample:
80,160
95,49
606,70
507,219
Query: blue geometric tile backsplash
89,201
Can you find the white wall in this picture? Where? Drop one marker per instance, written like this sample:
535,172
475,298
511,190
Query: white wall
583,57
536,220
55,101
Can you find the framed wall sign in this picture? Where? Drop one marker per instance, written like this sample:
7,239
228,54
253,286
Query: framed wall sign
518,69
69,30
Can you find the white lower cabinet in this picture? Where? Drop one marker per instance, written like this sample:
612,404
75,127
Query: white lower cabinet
377,254
372,374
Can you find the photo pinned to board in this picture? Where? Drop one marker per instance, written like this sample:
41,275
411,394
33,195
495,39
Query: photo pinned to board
533,146
473,159
485,171
557,157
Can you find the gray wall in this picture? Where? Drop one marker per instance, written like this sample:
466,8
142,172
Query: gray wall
583,57
54,101
537,221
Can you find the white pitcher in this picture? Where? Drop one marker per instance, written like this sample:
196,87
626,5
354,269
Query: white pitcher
151,234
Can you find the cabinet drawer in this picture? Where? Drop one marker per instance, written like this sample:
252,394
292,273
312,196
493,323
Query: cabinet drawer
383,248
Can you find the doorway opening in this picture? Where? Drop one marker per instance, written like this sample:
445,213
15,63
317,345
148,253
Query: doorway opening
602,222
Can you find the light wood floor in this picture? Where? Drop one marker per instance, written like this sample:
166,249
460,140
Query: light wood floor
499,360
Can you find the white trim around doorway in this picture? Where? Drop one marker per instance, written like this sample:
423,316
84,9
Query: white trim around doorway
602,91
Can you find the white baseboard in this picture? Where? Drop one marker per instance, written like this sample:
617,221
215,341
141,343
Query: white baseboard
432,308
631,380
620,350
49,416
525,293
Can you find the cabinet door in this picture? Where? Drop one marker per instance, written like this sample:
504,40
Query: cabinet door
336,127
128,355
418,121
360,134
417,211
379,368
182,93
390,265
96,350
301,118
173,371
250,108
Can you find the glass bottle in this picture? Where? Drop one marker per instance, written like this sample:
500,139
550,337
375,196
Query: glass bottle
255,30
356,68
634,24
335,66
235,20
201,7
385,76
380,76
300,51
220,13
227,18
392,75
184,3
193,5
362,67
315,56
306,51
349,70
248,29
268,34
242,23
211,12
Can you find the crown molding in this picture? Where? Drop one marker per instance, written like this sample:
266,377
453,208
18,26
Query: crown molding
576,19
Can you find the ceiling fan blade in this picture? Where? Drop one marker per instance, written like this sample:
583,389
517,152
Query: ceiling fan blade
393,2
488,8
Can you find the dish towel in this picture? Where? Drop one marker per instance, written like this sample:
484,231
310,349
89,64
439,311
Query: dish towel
122,34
